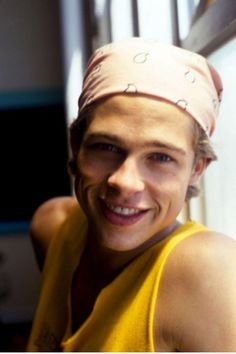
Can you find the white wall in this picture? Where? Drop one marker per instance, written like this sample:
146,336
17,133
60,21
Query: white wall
73,50
220,180
121,22
155,19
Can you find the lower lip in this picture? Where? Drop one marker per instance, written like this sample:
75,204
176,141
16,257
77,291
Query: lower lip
121,220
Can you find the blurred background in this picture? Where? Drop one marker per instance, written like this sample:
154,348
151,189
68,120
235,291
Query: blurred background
44,48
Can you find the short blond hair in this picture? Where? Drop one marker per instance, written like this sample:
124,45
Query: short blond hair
203,149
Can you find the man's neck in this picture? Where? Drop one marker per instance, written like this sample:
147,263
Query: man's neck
107,263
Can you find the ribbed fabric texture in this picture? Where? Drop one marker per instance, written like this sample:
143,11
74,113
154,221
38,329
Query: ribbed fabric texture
123,315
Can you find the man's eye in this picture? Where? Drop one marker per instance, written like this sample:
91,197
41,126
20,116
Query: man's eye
105,147
160,157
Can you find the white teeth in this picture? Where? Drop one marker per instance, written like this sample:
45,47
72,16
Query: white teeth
123,211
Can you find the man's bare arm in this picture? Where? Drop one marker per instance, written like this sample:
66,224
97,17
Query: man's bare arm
199,295
46,222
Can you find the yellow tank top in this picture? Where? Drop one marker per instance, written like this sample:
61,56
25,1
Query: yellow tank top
123,315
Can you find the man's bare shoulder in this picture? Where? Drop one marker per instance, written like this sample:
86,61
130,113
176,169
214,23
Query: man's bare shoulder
54,206
205,250
199,284
46,221
207,256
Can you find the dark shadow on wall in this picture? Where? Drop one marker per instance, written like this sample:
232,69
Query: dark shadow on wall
33,156
14,337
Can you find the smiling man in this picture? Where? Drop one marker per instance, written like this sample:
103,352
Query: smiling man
121,272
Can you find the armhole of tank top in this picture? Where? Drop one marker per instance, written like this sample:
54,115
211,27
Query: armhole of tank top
58,239
167,250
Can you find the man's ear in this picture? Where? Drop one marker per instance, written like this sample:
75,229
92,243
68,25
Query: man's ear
198,170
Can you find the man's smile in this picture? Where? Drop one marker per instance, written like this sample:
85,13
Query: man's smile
120,215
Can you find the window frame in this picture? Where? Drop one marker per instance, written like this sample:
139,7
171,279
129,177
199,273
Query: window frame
213,28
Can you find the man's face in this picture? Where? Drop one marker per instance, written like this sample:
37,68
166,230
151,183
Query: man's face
135,164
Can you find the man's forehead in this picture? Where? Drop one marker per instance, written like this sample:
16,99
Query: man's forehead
138,105
140,113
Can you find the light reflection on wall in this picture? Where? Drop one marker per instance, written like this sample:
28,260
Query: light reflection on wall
220,180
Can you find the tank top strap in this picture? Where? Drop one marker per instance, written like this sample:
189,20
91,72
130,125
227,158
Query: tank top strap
186,230
190,228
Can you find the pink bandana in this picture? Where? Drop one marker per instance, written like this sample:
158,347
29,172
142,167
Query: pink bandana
147,67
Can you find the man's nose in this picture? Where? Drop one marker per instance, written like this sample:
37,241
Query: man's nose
126,178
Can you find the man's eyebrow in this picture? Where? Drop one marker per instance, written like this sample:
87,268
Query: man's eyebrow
113,138
165,145
110,137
